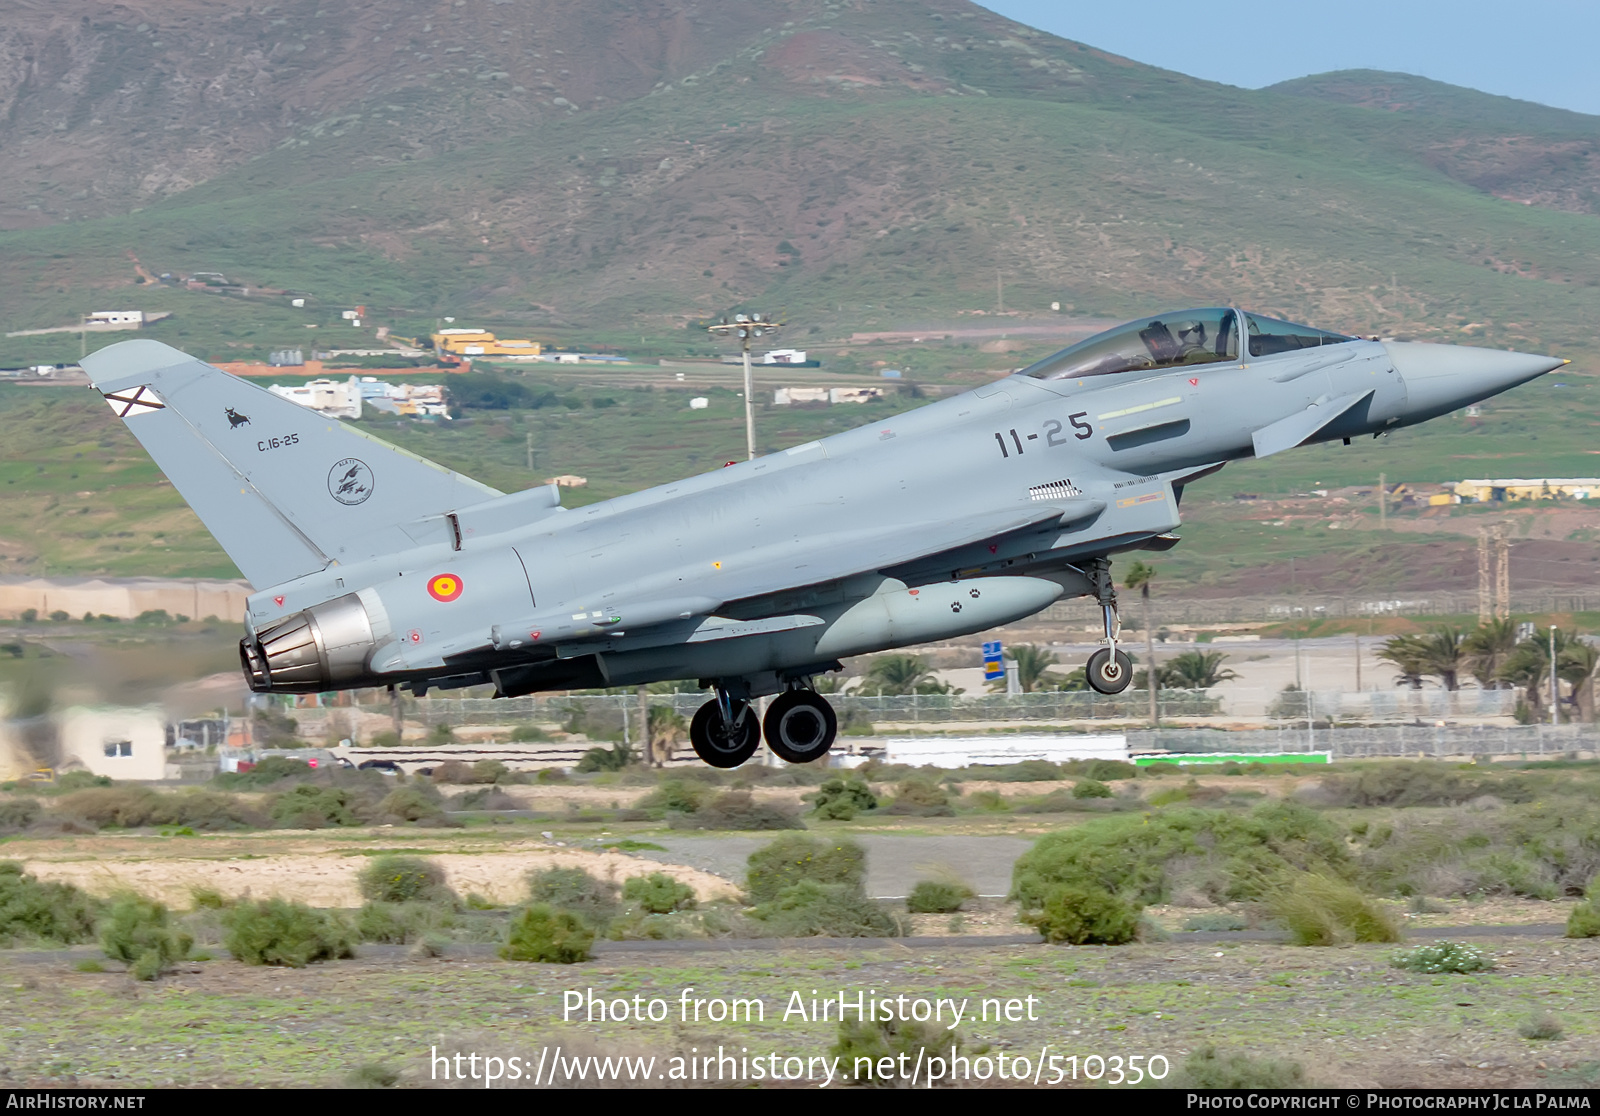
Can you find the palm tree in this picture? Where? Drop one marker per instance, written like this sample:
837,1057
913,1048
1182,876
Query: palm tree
1139,577
1444,655
1196,670
1486,648
1575,665
1528,666
1407,653
896,675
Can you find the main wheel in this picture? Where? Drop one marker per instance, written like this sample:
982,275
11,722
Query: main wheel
1107,675
800,726
721,745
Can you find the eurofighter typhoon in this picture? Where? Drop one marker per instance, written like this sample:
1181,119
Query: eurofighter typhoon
374,567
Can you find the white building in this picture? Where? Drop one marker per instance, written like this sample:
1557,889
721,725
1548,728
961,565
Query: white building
784,356
326,397
124,743
117,317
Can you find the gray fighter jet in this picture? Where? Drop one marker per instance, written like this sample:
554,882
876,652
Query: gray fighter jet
375,567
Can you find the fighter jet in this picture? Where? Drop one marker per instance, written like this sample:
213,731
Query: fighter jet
374,567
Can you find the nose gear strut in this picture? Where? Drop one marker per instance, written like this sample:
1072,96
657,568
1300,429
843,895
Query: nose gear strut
1110,670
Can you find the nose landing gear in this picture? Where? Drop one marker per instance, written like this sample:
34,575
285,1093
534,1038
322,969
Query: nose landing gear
1110,670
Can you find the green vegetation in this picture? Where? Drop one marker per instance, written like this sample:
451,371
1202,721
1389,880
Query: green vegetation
1541,1026
842,797
139,932
402,879
863,1046
1319,911
736,809
791,859
1584,921
31,911
938,897
1084,915
658,893
280,932
541,932
577,892
1443,957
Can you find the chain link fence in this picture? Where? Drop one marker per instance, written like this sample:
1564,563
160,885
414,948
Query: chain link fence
1195,610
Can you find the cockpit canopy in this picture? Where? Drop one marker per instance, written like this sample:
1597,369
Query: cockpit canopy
1175,340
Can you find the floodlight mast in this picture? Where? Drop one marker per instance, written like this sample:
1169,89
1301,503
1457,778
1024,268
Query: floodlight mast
745,326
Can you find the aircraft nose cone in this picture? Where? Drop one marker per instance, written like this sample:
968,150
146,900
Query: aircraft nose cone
1440,378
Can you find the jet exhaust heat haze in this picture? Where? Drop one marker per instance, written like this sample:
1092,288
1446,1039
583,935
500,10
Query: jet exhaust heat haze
374,567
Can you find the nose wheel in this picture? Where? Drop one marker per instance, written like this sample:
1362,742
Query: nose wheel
1109,672
800,726
725,732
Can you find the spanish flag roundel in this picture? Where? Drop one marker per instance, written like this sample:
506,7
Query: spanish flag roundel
444,587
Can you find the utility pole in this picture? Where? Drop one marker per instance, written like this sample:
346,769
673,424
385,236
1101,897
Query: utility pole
1383,502
1485,604
1502,573
646,744
530,451
1555,689
744,327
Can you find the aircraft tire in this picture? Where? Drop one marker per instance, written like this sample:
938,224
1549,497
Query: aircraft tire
718,747
800,726
1106,676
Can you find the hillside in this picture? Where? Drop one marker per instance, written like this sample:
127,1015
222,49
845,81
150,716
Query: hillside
566,164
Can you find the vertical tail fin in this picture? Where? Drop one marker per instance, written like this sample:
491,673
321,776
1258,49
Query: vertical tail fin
284,490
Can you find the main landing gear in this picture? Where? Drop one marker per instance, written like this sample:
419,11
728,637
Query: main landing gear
800,726
1110,670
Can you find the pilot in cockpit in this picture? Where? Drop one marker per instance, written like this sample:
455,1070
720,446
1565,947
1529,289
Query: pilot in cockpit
1192,343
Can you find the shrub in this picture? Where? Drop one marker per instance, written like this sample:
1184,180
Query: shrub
1443,957
412,804
544,933
372,1075
1207,1069
1403,784
139,933
1241,856
1584,921
575,891
1028,771
133,807
273,769
1084,916
1538,851
34,911
1540,1026
280,932
658,893
1090,788
842,797
400,923
739,810
937,897
1319,910
313,807
1108,771
678,796
400,879
791,859
17,814
524,734
862,1044
990,802
832,910
921,797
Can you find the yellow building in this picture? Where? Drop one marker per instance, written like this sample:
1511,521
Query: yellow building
480,342
1543,488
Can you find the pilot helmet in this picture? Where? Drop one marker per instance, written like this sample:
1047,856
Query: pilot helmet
1191,331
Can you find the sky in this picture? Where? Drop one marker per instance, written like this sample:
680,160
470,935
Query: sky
1535,50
